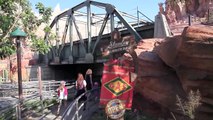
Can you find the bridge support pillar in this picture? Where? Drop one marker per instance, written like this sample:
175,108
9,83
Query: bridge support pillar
56,59
89,58
70,59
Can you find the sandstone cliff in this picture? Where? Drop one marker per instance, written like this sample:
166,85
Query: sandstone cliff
175,66
178,10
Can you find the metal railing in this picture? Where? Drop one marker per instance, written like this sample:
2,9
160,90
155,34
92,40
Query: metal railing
31,87
82,110
10,113
4,75
33,98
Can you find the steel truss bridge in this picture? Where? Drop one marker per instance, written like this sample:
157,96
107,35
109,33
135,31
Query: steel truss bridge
83,32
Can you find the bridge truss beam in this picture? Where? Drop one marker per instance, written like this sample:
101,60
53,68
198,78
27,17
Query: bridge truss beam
70,14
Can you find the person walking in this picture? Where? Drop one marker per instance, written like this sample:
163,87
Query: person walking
96,91
81,86
89,80
62,95
81,89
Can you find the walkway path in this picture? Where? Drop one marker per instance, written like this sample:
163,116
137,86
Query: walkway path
51,113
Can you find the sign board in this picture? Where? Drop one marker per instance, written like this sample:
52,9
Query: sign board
116,82
118,47
115,109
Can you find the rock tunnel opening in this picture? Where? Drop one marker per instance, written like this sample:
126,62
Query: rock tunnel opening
70,71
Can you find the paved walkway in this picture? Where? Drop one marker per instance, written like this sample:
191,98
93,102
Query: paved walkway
51,113
84,114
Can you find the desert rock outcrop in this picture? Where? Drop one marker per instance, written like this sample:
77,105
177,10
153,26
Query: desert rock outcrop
175,66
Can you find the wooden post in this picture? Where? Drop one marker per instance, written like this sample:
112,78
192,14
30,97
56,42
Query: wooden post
189,20
17,112
40,86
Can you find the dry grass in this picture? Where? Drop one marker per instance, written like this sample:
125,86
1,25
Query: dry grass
189,106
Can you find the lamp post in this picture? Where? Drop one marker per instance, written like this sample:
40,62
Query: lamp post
18,34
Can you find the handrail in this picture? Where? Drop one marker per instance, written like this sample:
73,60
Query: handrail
75,104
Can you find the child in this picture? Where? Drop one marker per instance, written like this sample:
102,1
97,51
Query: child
62,94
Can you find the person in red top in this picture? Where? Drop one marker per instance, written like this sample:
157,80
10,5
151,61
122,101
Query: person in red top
62,94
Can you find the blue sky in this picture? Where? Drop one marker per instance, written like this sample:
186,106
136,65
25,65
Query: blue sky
147,7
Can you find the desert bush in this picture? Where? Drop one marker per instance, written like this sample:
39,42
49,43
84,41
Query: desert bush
189,106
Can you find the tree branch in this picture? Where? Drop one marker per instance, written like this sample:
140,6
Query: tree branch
13,25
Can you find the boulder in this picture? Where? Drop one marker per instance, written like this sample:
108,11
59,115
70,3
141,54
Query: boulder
157,85
174,66
182,8
191,56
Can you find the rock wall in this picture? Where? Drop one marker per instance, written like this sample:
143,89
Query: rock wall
30,62
174,66
177,10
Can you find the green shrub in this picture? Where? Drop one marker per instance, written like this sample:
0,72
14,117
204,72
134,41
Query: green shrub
8,114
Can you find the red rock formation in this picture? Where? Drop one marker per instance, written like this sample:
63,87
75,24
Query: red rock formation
203,8
28,59
157,85
182,8
175,66
170,15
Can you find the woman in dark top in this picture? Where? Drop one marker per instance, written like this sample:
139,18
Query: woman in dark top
88,78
